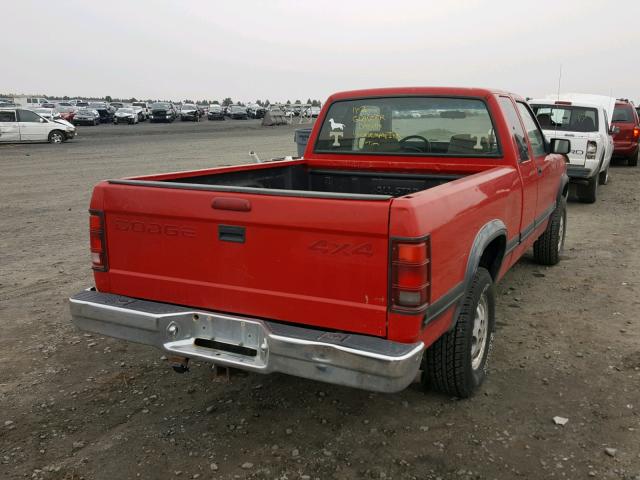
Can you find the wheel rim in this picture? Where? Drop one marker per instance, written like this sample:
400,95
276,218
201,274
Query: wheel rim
56,138
480,331
560,232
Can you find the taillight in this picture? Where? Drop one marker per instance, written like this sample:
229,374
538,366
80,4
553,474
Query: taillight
97,241
592,148
410,275
636,132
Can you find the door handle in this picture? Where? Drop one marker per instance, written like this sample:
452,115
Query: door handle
539,170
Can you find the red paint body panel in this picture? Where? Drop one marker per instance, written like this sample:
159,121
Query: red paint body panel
158,252
625,143
322,262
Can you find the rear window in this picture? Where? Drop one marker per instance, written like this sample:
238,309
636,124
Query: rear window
623,113
566,118
409,126
7,116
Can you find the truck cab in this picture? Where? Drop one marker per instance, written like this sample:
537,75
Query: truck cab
585,121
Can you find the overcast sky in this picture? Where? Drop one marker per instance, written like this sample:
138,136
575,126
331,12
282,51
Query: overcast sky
299,49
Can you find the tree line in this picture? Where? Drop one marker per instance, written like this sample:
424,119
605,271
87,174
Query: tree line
225,102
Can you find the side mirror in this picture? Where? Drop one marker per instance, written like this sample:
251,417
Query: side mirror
560,145
42,120
614,130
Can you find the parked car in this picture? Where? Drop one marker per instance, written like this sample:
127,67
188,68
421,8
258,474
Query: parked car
117,105
139,113
86,116
409,284
238,112
105,111
188,111
126,115
215,112
163,112
627,133
313,111
66,112
145,109
21,125
255,111
48,113
584,120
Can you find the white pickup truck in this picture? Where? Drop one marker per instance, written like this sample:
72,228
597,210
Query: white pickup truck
584,120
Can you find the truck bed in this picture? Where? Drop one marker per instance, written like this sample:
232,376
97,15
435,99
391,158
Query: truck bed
302,180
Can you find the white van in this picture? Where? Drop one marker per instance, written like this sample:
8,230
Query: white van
584,120
30,102
21,125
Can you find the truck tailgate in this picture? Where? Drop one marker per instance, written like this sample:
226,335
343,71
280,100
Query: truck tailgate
578,153
316,261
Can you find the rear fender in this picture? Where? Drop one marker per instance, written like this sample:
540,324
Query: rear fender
489,232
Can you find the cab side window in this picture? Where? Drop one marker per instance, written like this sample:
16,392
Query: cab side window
516,127
7,117
28,116
536,138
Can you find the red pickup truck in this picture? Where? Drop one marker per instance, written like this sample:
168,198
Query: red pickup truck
370,258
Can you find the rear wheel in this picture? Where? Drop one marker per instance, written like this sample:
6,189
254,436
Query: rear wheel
603,178
548,247
589,193
456,364
633,160
56,136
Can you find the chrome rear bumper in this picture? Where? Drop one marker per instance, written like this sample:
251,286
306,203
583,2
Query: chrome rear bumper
261,346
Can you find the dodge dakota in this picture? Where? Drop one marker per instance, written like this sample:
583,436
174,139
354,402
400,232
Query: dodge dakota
369,260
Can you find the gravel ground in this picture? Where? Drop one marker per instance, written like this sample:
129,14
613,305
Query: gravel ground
78,406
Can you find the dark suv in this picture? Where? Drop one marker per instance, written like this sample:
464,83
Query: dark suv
105,111
163,112
626,132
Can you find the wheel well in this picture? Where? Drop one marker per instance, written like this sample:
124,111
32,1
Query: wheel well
492,255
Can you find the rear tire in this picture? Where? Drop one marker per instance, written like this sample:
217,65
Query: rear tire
589,193
56,136
456,364
603,178
633,160
548,247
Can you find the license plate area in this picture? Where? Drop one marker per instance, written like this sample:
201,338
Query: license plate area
220,339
